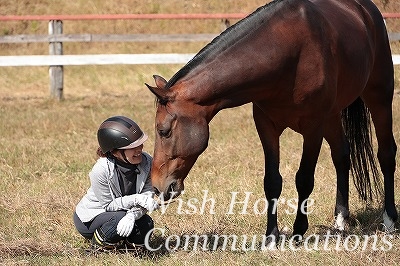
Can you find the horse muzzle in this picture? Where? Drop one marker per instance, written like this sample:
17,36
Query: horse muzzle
170,191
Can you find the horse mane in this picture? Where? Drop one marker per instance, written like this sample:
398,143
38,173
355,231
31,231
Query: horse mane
225,39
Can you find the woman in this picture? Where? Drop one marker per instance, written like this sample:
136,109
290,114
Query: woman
113,211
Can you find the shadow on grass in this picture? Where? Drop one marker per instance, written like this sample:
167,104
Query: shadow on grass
208,241
161,246
367,221
28,248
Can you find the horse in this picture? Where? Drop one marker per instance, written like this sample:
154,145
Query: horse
322,68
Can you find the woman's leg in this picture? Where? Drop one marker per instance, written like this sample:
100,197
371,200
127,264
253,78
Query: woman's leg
102,229
141,228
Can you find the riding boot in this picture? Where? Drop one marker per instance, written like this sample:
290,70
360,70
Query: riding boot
98,242
106,237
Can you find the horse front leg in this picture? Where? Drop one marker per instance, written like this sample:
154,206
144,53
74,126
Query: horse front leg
269,137
305,179
272,189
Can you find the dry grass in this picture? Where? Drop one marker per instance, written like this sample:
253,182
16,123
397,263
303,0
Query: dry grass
48,147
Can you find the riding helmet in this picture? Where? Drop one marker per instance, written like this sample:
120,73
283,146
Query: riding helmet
119,132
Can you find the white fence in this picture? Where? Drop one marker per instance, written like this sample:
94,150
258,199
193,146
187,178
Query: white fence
105,59
94,59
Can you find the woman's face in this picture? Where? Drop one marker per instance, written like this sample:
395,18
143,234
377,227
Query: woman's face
134,155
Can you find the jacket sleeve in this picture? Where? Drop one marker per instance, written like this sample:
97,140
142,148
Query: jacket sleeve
133,202
99,182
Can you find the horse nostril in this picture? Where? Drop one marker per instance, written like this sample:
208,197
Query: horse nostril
171,187
156,191
171,191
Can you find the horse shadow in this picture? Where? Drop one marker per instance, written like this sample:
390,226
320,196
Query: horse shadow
367,221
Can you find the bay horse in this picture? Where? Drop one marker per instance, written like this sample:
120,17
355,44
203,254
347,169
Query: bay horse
322,68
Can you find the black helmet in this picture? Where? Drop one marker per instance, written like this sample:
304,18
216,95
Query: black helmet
119,132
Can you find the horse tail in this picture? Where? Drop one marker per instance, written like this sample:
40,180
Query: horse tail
356,122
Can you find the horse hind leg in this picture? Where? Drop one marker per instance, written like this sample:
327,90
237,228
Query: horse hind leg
387,148
380,106
378,97
340,153
305,179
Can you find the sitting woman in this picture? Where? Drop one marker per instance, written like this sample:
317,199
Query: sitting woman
113,211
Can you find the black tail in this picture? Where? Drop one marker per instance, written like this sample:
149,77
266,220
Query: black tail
357,127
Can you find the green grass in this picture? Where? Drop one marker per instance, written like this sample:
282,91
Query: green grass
47,149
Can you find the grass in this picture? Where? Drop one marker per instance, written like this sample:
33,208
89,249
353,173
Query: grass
47,149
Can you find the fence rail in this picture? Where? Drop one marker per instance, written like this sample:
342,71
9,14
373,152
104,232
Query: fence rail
94,59
105,59
122,38
108,38
124,16
138,16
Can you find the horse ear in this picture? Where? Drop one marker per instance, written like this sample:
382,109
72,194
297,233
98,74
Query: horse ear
160,81
159,91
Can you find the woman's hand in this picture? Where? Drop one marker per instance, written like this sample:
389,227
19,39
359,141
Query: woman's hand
126,224
147,202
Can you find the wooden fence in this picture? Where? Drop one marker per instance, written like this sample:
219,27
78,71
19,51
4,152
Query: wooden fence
56,60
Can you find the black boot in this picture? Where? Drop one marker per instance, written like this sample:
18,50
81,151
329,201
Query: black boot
98,243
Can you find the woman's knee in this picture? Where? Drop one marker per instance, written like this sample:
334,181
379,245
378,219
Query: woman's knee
145,222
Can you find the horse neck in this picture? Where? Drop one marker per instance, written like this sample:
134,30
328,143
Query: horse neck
235,74
207,97
229,87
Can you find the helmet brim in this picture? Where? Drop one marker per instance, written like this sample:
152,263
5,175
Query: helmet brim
136,143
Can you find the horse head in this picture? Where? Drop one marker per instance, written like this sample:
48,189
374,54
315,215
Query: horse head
181,135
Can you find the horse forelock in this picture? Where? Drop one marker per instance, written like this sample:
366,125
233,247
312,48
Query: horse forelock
228,37
159,101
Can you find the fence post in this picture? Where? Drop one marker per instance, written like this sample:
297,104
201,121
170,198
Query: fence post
56,72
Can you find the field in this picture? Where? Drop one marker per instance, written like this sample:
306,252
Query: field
48,147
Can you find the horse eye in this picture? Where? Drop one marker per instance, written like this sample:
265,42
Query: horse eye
165,133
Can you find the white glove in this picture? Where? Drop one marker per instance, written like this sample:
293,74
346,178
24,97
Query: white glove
147,202
125,225
128,201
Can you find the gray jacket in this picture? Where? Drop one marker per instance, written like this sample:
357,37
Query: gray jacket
105,194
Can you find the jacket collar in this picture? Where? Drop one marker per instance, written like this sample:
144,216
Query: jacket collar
144,168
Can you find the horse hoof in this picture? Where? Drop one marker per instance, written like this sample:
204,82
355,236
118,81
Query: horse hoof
340,222
388,224
270,246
